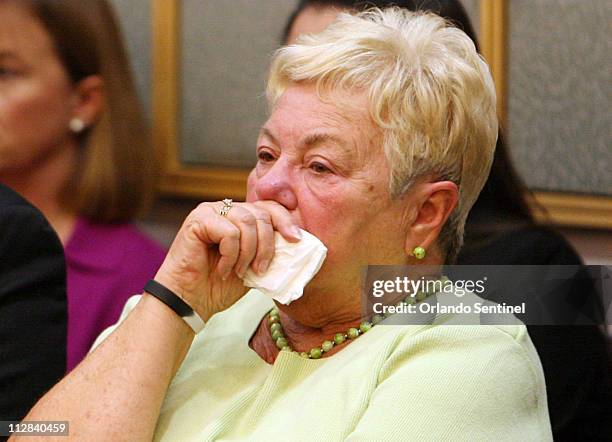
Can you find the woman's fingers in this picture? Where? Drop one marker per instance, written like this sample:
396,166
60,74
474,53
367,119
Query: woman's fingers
256,224
281,220
229,250
246,222
216,229
256,237
209,243
265,240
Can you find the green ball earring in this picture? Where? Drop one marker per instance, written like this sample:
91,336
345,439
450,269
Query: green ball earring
419,252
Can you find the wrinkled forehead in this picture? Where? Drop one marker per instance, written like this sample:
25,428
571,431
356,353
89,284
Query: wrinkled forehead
347,105
301,109
338,122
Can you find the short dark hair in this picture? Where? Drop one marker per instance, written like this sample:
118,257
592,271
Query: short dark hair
451,10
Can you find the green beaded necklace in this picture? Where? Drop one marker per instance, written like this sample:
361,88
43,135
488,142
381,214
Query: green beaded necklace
278,335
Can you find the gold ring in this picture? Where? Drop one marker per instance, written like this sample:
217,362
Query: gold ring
227,205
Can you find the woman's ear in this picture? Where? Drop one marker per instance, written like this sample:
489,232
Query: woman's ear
434,204
89,99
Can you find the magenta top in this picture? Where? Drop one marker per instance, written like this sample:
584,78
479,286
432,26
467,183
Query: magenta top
106,264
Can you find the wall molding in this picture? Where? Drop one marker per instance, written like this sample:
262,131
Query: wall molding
493,46
574,210
176,178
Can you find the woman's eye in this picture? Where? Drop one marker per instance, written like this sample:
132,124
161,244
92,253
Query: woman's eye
265,156
5,72
319,168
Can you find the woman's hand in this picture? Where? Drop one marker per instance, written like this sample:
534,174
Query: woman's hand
211,252
135,364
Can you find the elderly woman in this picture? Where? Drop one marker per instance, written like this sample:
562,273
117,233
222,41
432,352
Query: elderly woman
380,138
500,230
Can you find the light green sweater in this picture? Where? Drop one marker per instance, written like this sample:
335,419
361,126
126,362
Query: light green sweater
394,383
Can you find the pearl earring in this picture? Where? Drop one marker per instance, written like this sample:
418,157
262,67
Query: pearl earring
76,125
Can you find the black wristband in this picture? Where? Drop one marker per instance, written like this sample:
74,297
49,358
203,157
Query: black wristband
175,302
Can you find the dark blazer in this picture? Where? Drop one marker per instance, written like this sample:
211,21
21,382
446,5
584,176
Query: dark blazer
33,306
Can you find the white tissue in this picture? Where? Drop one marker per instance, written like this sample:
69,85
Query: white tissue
293,266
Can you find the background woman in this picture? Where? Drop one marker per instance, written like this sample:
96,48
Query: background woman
73,142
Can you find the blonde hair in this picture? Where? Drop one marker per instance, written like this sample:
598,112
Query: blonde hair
429,92
114,179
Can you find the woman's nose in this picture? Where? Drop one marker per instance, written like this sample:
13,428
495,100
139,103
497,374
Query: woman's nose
276,185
